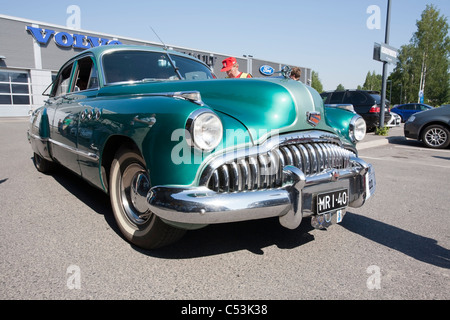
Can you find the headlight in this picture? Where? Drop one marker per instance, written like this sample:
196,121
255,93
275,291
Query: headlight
410,119
357,129
205,130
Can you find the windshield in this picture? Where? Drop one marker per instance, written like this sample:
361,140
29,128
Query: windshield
126,66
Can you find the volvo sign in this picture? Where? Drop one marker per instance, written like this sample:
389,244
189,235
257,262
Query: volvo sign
67,40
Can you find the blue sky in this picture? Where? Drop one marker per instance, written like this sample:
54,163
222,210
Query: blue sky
329,36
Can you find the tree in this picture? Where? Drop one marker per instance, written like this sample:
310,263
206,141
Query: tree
340,87
373,81
315,82
424,63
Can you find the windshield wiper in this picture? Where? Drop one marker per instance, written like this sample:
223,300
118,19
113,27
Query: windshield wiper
174,67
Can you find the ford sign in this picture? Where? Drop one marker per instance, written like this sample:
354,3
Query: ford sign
266,70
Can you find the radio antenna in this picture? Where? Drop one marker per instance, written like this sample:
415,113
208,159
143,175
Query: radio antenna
165,47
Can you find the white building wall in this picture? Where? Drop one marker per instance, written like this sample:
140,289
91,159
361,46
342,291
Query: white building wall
40,79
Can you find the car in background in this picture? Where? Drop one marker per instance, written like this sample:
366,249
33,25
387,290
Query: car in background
365,103
432,127
395,120
408,109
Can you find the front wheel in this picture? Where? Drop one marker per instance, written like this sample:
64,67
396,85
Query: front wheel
129,185
436,136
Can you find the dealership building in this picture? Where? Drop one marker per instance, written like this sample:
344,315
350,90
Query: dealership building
32,52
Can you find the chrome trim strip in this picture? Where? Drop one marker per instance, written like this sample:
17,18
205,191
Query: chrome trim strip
84,154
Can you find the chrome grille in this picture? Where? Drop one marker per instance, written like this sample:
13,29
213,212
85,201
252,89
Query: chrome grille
265,170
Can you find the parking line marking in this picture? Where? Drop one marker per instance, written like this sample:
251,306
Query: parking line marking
403,162
424,149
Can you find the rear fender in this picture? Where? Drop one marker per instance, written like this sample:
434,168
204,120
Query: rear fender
39,133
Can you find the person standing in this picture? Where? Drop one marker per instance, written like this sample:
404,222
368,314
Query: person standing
231,67
296,73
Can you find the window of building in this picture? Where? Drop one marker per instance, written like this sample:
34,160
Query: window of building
15,88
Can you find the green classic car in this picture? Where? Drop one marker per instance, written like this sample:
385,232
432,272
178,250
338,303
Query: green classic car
177,149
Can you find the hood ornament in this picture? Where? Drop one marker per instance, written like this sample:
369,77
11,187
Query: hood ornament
313,117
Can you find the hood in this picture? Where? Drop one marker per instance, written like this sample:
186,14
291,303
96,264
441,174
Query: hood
261,105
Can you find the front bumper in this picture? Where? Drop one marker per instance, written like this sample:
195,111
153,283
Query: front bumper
295,200
411,130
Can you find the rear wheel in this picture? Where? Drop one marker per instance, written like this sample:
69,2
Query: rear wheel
129,185
41,164
436,136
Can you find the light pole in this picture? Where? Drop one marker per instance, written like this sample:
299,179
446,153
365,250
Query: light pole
383,84
249,63
390,90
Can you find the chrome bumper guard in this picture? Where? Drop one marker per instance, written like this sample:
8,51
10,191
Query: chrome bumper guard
292,202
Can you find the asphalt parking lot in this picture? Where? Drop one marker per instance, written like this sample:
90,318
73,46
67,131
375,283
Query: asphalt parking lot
58,239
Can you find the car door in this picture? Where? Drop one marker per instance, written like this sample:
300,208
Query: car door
63,121
67,104
89,124
409,110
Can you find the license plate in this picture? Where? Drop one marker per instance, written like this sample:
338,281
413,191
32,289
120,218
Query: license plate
327,219
332,201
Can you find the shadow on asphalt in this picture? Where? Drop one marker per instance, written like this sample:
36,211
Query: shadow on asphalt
258,234
230,237
398,140
212,240
416,246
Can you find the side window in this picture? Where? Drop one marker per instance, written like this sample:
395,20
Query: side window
324,97
63,82
356,98
336,97
86,75
93,79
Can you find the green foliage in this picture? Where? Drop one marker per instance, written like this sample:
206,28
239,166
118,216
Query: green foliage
373,81
315,82
424,62
382,131
340,87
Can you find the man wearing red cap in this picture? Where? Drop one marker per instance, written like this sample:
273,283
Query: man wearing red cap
231,67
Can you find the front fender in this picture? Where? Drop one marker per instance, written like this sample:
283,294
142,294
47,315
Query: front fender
339,120
156,125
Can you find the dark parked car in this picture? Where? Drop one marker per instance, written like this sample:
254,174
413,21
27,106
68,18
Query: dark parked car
432,127
365,103
408,109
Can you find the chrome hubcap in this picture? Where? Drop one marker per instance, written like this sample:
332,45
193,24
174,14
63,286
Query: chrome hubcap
134,188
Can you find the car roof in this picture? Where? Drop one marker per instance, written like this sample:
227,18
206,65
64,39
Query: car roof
358,90
98,51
